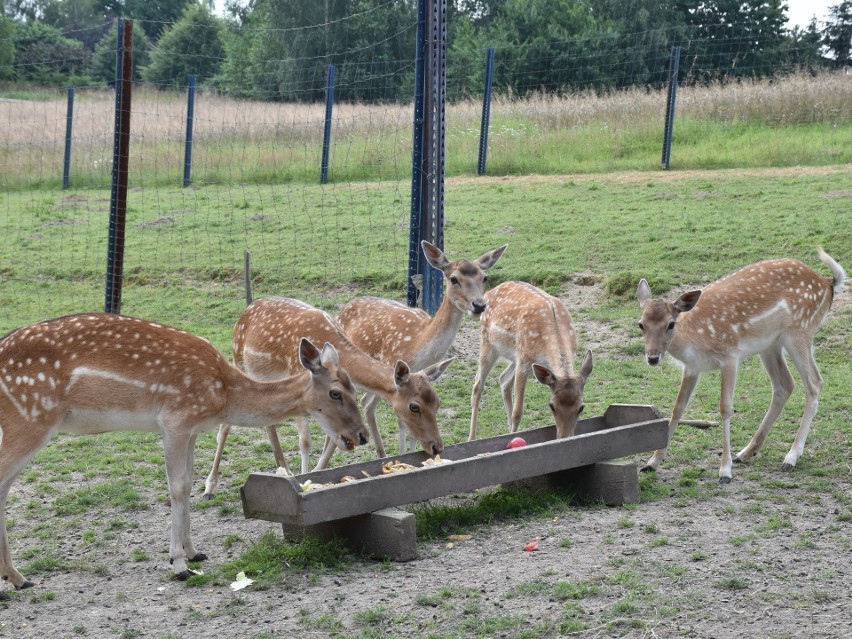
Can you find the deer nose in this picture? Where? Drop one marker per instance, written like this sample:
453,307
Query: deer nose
362,439
653,360
436,449
478,307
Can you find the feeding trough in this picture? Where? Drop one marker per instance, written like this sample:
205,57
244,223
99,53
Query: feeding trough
357,501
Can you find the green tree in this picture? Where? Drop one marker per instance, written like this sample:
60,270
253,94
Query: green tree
103,60
7,46
837,35
43,55
193,45
153,15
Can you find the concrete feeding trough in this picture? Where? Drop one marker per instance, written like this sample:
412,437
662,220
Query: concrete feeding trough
361,509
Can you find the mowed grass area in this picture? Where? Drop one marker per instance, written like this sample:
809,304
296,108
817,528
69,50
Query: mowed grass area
327,244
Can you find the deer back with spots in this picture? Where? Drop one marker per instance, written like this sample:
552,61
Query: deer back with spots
766,309
534,332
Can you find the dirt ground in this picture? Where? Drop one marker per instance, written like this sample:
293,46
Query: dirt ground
723,570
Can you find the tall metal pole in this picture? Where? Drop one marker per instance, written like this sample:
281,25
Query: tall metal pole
486,110
326,135
121,151
674,66
69,122
190,117
415,258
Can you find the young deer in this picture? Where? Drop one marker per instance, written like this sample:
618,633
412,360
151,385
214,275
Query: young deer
94,373
264,346
762,309
388,330
533,331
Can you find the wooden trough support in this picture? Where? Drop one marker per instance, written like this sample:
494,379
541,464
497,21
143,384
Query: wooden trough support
362,511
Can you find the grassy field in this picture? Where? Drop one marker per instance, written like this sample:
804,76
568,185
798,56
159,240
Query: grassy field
798,120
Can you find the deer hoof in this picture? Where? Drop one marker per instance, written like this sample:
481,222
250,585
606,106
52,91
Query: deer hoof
648,469
4,596
724,481
183,575
199,557
786,468
207,497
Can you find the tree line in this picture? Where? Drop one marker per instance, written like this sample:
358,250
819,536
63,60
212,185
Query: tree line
281,49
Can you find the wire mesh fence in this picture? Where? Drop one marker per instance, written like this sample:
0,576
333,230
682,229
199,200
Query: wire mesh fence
559,107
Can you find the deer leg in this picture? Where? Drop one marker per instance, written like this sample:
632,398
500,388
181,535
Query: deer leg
304,442
370,403
11,466
213,478
486,363
520,387
726,409
188,547
176,445
507,383
800,348
327,452
277,452
782,388
684,394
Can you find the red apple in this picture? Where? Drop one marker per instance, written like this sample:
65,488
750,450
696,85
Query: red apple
517,442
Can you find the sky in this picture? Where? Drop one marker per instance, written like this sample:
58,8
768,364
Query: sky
799,12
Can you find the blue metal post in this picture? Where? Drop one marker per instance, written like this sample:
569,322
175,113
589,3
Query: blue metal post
120,157
486,110
415,258
674,66
326,136
190,115
69,121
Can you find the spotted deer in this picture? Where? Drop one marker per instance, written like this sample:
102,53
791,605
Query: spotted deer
534,332
762,309
264,346
94,373
388,330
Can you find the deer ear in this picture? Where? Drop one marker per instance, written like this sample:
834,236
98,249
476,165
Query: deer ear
687,301
490,259
436,370
586,370
434,256
329,356
309,355
401,373
543,375
643,292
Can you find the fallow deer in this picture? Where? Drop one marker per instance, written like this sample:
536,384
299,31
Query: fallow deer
388,330
534,332
264,346
94,373
762,309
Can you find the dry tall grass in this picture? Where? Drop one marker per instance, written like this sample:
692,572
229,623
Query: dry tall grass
249,140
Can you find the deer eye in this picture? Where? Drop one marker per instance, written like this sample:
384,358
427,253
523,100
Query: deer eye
454,281
335,394
671,326
552,407
484,278
414,408
582,408
641,326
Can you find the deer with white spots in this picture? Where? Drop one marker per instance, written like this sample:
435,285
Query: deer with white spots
265,346
388,330
95,373
762,309
534,332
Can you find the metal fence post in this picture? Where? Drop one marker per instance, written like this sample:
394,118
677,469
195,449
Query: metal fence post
69,121
674,65
190,116
326,135
415,259
486,110
120,157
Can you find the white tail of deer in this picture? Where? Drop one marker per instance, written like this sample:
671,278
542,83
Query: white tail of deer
762,309
389,331
534,332
94,373
265,346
